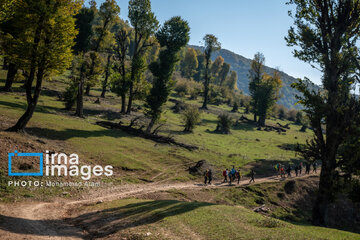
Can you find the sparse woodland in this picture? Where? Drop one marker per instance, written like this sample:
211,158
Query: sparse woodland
140,77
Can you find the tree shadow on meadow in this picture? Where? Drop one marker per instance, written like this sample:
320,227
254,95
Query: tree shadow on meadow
39,108
19,225
74,133
265,167
107,114
103,223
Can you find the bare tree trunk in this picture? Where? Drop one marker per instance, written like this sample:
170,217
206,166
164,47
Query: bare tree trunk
5,63
150,126
87,91
107,73
206,86
12,70
80,98
326,192
32,101
123,103
131,95
324,196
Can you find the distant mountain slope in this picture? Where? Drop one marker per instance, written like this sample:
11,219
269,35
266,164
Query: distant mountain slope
241,65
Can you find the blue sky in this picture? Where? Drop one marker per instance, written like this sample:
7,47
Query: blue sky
242,26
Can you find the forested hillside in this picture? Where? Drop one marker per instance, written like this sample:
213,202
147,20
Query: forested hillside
242,66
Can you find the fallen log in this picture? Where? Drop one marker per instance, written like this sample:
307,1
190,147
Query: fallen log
283,126
141,133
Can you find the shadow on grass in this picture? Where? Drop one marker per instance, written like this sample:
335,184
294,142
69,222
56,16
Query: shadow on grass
112,220
265,168
288,146
74,133
16,87
37,227
39,108
105,114
244,127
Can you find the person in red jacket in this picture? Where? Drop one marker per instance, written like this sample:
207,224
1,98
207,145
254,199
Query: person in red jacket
225,174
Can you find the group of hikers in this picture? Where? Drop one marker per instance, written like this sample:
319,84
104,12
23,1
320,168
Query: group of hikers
229,176
281,170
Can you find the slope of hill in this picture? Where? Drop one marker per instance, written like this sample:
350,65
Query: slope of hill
241,65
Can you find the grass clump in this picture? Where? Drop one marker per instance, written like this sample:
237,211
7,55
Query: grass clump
224,124
191,117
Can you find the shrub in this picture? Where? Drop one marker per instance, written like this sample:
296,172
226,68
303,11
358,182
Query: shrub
181,88
281,112
235,107
299,118
245,101
292,115
191,117
179,107
70,95
224,124
194,94
184,87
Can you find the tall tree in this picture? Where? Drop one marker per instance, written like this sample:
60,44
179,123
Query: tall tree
172,36
145,24
231,81
84,23
120,82
189,64
267,94
199,73
255,75
326,35
216,68
224,71
47,33
107,15
108,69
211,45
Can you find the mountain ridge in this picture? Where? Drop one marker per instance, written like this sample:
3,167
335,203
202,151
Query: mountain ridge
241,65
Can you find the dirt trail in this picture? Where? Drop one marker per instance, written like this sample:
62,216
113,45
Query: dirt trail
42,220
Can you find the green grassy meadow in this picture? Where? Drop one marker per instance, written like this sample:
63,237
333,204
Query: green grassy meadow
168,219
137,160
96,144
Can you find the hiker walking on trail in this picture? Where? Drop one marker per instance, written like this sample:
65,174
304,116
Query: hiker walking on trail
232,175
252,176
209,176
225,175
296,170
276,166
238,176
282,172
288,170
233,171
206,177
314,167
307,168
